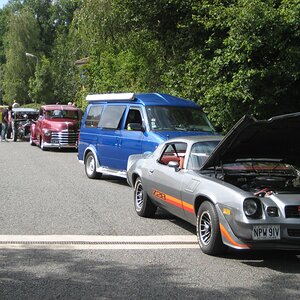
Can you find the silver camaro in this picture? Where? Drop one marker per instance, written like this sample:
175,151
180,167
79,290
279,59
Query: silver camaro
241,191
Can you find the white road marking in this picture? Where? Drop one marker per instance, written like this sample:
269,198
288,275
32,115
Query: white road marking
94,242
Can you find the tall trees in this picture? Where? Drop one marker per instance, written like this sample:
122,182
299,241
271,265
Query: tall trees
232,56
249,62
21,37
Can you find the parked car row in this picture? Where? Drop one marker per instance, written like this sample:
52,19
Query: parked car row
241,191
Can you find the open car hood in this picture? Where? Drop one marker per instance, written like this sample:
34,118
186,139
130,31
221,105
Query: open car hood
276,138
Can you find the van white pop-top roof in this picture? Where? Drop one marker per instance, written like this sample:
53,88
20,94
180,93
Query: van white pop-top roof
111,97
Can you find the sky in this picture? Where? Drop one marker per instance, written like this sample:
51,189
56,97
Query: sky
2,3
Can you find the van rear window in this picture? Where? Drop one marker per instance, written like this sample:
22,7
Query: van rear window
93,117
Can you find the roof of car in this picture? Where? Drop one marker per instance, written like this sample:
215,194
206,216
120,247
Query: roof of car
149,99
21,109
195,138
59,107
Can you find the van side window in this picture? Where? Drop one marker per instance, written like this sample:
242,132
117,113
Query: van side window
112,116
133,116
93,117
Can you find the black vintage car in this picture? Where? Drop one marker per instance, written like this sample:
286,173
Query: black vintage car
21,121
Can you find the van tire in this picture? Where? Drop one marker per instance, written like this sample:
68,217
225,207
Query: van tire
90,166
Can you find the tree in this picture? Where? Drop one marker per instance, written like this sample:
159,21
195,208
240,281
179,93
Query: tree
22,37
249,63
41,84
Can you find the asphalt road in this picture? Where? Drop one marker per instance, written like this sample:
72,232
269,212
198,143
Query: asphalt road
64,236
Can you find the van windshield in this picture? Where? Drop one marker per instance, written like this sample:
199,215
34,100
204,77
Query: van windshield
169,118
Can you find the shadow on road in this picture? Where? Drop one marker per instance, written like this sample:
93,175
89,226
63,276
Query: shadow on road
44,274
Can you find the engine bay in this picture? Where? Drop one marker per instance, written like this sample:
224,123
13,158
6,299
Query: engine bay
262,181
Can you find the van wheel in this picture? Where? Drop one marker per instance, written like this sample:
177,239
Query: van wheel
143,205
90,166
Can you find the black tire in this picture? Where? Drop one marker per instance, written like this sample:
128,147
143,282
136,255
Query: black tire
90,166
208,230
143,205
15,135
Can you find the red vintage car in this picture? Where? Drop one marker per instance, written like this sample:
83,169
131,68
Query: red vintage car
56,127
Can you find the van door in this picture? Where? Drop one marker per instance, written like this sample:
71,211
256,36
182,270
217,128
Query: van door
109,137
132,135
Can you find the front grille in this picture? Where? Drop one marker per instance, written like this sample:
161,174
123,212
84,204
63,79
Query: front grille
294,232
64,137
292,211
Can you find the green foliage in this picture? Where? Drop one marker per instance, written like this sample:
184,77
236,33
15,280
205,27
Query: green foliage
233,57
249,64
41,84
21,37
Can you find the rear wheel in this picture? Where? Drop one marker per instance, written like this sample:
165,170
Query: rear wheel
143,205
90,166
208,230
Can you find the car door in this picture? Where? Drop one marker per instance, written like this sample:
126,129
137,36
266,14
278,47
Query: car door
166,181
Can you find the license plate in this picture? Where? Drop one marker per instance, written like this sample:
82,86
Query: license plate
266,232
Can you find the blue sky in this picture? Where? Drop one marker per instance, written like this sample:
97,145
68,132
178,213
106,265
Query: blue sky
2,3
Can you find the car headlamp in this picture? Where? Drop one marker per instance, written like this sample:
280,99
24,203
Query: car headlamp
47,132
252,208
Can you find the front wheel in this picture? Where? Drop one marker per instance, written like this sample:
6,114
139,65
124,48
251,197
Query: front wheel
31,141
42,144
15,135
90,167
208,230
143,205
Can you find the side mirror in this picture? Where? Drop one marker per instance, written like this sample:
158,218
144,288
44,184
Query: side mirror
173,164
135,127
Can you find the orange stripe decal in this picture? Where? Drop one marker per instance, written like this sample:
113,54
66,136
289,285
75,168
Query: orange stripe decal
230,239
172,200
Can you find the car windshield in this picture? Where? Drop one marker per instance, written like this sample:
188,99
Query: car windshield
25,115
168,118
61,114
199,153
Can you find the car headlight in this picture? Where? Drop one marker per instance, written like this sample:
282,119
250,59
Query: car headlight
47,132
252,208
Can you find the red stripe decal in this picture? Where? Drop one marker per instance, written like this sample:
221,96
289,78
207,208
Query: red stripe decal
230,239
174,201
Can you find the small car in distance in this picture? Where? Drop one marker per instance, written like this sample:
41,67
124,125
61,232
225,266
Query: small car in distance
56,127
240,191
21,121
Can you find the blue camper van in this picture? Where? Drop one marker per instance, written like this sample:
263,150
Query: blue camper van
117,125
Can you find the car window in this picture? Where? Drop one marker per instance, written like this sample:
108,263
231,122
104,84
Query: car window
173,152
93,116
133,116
111,117
199,153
